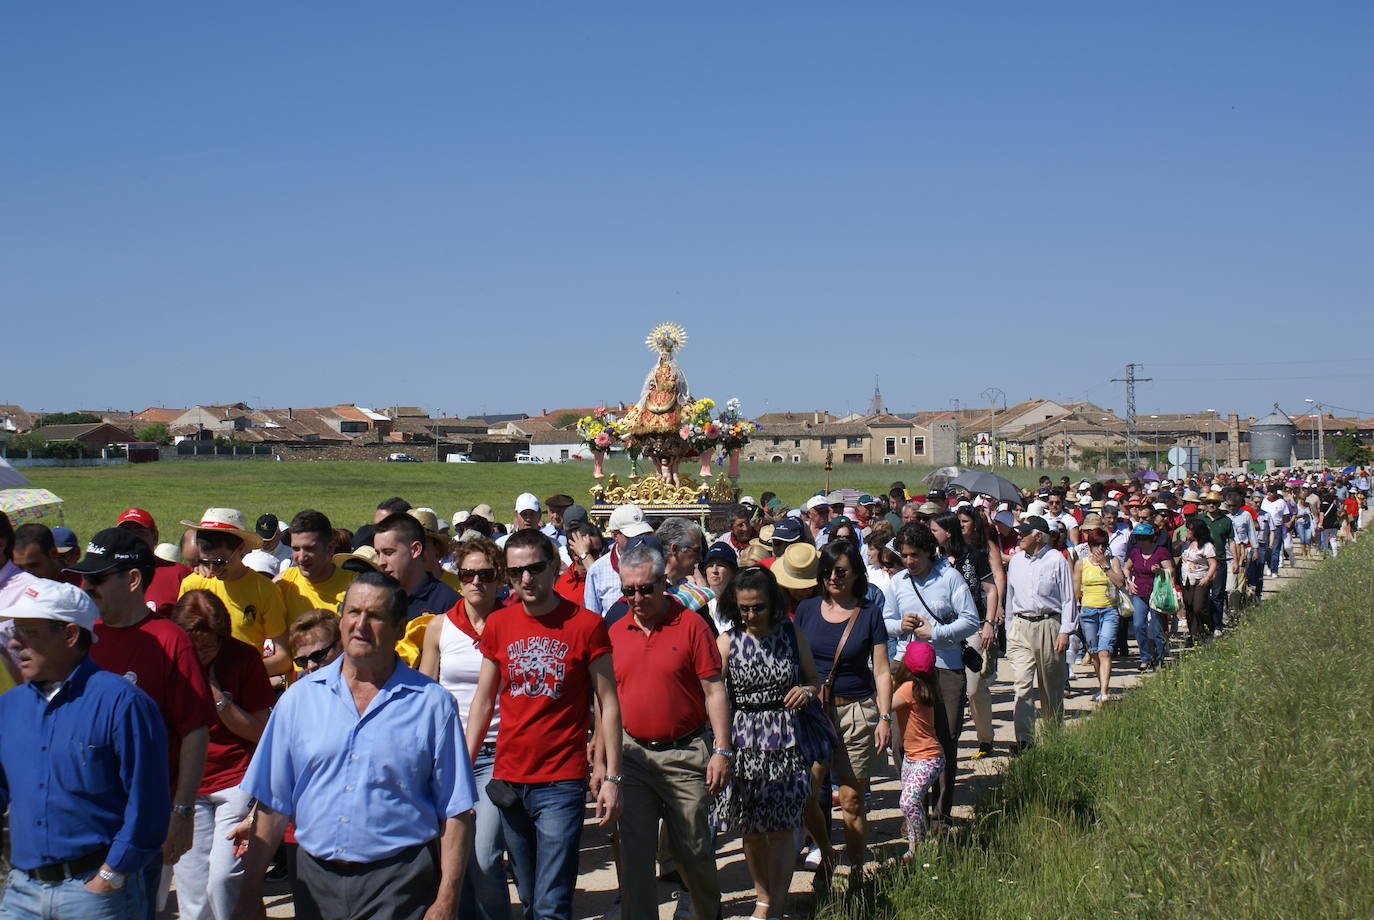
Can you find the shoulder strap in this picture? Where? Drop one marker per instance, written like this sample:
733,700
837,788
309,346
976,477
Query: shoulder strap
920,597
835,664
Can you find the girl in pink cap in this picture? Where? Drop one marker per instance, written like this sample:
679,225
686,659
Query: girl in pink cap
923,758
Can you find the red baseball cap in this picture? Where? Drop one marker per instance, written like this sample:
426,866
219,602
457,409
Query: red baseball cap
136,516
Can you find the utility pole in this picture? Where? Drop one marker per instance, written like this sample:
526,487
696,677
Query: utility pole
992,394
1132,435
1212,436
1321,434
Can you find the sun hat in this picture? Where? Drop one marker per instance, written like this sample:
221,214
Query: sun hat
483,511
929,507
362,556
57,601
226,520
167,552
1190,495
919,657
1143,530
629,520
1212,496
459,517
1091,521
796,568
765,538
427,518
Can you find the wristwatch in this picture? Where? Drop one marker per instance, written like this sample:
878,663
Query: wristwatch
112,878
886,717
724,752
225,699
186,811
617,778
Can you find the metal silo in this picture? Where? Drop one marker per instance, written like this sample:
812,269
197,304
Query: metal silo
1273,438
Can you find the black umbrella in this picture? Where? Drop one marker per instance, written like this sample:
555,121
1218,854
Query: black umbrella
989,484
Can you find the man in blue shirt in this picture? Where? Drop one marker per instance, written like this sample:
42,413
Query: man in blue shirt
367,756
83,768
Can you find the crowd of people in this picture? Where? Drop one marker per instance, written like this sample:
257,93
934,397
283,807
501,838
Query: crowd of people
398,718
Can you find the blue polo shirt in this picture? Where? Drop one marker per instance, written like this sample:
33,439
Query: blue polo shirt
363,788
84,772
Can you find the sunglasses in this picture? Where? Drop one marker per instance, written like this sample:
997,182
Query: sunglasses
534,568
315,657
643,590
216,563
838,574
486,576
752,608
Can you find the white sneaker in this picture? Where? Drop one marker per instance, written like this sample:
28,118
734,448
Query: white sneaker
813,858
684,905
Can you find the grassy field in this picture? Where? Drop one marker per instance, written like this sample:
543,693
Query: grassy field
348,492
1238,784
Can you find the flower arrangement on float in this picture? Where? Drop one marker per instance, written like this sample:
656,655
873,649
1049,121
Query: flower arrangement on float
599,433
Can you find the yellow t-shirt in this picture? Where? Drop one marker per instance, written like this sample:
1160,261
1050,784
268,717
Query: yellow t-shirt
1095,584
451,579
256,611
301,595
5,682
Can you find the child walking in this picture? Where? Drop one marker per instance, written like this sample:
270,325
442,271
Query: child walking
923,759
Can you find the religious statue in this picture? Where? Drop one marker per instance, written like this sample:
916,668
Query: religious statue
664,405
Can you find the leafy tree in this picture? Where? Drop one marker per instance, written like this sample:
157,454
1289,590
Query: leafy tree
1346,449
68,418
156,432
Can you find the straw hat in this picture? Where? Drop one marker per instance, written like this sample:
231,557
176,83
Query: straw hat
363,554
797,566
765,538
226,520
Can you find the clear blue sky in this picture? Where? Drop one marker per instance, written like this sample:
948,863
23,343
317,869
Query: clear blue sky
473,208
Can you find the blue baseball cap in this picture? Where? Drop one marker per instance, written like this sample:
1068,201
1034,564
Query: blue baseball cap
787,530
64,539
1143,530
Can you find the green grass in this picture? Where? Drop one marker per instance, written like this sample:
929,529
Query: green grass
1238,784
348,492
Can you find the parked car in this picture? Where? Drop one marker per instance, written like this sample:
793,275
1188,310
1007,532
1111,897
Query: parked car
402,458
460,458
527,457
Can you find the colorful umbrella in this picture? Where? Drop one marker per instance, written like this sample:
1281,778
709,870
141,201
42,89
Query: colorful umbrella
22,505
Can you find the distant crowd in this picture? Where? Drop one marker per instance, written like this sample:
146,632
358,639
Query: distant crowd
399,717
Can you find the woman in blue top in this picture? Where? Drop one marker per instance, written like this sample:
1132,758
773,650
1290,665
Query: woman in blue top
936,605
860,705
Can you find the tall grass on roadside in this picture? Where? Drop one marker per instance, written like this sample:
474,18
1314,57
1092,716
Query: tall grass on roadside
1236,784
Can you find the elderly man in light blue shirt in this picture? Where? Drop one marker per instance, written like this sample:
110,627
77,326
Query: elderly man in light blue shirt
368,757
1041,615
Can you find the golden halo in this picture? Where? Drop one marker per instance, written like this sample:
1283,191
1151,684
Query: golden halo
666,338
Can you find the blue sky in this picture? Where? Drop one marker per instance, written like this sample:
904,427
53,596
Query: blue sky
485,208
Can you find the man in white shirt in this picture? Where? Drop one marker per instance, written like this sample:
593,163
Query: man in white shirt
1275,509
1041,615
1056,512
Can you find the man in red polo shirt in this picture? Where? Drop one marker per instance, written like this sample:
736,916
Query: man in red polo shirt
165,588
668,671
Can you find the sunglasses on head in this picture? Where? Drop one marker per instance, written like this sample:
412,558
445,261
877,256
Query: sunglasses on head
486,576
316,657
534,568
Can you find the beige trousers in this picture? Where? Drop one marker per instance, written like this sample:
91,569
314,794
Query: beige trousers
1034,665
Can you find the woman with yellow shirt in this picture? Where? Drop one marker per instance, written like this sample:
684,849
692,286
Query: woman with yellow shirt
1096,576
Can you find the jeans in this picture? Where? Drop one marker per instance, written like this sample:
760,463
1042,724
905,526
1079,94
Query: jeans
1254,571
1149,631
543,831
485,895
1217,594
1276,550
1304,530
208,876
27,899
1099,627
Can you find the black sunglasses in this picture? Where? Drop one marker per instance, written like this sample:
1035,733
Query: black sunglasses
534,568
216,563
645,590
315,657
485,575
752,608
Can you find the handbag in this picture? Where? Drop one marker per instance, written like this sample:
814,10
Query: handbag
967,653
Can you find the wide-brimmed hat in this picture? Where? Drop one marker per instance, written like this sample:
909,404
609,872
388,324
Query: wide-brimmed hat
929,508
362,556
226,520
1212,496
765,538
1190,495
797,566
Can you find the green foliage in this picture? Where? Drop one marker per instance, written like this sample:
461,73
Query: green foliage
1238,783
565,420
67,418
1346,449
156,432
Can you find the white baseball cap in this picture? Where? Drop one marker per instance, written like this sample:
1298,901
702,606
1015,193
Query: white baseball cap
460,516
816,501
526,502
629,520
262,562
57,601
748,500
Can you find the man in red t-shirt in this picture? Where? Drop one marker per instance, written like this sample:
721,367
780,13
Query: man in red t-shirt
546,659
165,588
668,669
156,655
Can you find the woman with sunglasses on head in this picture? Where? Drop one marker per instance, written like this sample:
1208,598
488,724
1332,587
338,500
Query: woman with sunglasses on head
848,638
451,656
770,676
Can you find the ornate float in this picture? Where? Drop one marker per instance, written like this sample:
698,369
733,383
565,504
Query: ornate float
668,427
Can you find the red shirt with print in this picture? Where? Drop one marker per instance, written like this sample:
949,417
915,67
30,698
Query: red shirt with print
543,666
156,656
658,674
239,670
572,585
162,592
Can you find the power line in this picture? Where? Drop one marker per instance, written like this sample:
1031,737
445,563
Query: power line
1264,363
1254,379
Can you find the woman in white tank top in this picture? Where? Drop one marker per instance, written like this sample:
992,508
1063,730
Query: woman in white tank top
450,655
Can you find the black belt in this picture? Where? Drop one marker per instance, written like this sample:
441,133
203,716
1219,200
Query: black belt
768,706
675,744
1035,617
72,868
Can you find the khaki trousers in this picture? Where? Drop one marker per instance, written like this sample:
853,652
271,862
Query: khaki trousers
671,785
1034,665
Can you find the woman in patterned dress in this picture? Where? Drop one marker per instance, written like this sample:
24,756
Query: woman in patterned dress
770,675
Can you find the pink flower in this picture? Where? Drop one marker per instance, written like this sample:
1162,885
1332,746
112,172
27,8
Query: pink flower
685,432
713,431
599,412
602,440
